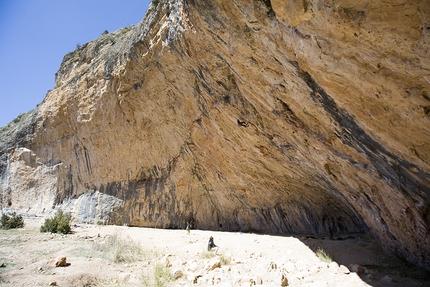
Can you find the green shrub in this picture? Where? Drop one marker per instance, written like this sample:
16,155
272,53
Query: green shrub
9,222
60,223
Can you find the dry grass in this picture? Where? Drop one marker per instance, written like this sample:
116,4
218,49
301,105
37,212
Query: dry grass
120,249
323,255
225,260
207,254
159,276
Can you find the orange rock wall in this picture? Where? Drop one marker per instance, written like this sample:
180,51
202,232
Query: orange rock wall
270,116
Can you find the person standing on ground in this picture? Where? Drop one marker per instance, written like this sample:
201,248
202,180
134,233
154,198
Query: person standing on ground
212,246
188,228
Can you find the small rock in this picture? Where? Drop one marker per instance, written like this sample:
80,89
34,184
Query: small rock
2,265
284,280
166,261
333,266
53,283
215,263
356,268
177,274
240,281
216,280
272,266
386,279
258,281
61,262
40,269
312,269
194,279
343,269
193,266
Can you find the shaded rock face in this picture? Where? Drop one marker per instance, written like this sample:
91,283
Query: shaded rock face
269,116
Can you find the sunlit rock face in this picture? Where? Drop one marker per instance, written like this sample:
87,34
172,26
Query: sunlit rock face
267,116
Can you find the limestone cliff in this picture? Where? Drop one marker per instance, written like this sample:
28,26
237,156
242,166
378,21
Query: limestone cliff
270,116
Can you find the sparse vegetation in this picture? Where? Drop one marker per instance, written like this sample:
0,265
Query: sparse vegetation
323,255
207,254
60,223
58,84
225,260
126,29
18,118
10,222
160,276
120,249
155,2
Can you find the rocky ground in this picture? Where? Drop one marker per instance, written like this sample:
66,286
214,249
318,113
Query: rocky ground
130,256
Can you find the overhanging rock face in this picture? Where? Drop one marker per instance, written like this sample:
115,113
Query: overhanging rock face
269,116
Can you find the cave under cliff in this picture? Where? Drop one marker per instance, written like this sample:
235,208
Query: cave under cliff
295,117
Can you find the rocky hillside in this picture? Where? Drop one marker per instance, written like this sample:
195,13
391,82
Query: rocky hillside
269,116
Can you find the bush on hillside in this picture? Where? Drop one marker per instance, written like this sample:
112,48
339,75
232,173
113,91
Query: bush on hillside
9,222
60,223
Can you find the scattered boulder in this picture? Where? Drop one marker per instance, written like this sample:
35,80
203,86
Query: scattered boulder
193,266
244,281
166,261
177,274
258,281
272,266
356,268
61,261
2,265
53,283
215,263
284,280
333,266
194,278
369,276
215,280
343,269
386,279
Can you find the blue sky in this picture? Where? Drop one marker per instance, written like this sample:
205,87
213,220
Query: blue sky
36,34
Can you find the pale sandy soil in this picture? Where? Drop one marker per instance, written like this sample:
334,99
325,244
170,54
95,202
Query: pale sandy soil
245,259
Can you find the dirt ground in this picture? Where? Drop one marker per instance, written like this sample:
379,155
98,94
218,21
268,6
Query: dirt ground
155,257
